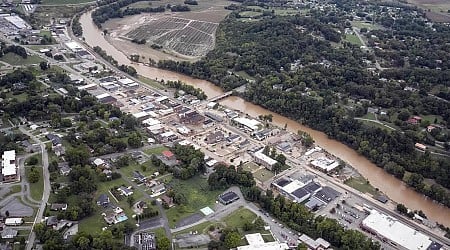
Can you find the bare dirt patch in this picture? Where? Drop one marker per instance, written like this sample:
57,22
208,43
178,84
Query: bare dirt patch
436,10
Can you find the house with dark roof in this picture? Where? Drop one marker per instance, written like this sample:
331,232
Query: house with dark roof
103,200
56,140
59,150
64,168
138,177
58,207
52,221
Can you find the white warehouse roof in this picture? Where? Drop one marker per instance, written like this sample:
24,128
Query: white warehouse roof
9,163
397,232
74,46
256,241
250,123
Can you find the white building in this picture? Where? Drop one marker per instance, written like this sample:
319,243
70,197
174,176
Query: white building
249,124
324,164
18,22
13,221
9,168
256,241
74,46
150,121
264,160
392,231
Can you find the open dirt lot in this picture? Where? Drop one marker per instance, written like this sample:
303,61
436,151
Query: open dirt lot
182,35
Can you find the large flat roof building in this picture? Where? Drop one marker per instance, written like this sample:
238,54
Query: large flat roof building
264,160
9,168
392,231
256,241
250,124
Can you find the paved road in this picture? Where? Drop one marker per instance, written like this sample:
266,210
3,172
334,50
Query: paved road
46,193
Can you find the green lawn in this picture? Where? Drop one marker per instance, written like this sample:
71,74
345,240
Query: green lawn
36,189
239,217
15,189
197,194
263,175
369,116
47,33
150,82
353,39
92,224
200,228
432,118
250,166
16,60
368,26
361,184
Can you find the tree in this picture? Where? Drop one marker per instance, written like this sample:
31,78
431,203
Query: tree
33,175
44,65
162,243
130,200
232,239
32,160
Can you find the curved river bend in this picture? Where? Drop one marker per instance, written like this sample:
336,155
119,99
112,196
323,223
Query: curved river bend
388,184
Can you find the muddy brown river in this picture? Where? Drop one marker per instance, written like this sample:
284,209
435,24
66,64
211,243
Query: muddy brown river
388,184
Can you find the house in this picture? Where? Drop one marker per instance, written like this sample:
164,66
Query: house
58,207
52,221
158,189
64,168
125,191
138,177
139,207
168,155
233,138
415,120
215,137
99,163
59,150
55,139
430,128
168,201
103,200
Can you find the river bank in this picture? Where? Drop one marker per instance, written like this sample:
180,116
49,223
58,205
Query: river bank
386,183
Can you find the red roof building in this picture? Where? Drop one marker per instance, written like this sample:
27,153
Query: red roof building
169,155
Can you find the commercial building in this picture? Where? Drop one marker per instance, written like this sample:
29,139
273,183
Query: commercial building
228,198
264,160
324,164
247,124
256,241
395,233
17,22
9,168
319,243
74,46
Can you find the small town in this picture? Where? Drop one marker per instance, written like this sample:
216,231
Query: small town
92,154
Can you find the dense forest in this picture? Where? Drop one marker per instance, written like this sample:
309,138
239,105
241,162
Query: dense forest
300,74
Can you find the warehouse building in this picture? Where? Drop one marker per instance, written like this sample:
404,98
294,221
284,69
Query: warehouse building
393,232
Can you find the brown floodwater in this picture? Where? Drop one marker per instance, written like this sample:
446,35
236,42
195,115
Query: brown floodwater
388,184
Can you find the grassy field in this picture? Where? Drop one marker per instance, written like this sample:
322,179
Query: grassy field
250,166
15,189
36,189
239,217
361,184
150,82
197,195
353,39
16,60
263,175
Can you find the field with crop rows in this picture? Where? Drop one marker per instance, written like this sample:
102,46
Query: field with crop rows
184,36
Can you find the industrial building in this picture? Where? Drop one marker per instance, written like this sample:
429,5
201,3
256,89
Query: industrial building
9,167
393,232
256,241
17,22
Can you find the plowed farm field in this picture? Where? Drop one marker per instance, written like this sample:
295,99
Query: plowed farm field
184,36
